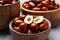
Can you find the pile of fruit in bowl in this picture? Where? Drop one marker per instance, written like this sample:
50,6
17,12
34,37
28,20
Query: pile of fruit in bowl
40,5
5,2
30,24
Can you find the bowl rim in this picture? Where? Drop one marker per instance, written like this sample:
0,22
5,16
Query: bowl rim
40,11
10,4
10,26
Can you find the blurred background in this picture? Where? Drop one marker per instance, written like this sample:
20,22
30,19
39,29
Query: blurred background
54,33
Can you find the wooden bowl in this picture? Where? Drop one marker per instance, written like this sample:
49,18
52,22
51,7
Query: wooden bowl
52,15
7,13
38,36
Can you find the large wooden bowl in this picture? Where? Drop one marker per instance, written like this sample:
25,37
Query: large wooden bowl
52,15
38,36
7,13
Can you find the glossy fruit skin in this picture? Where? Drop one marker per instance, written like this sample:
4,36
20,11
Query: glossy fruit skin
1,2
26,5
32,4
56,6
52,1
16,28
34,27
44,9
51,7
32,0
23,28
7,2
17,18
23,16
39,5
13,1
45,3
17,22
43,26
36,9
38,1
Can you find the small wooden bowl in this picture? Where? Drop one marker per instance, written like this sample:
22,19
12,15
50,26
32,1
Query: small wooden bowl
38,36
52,15
7,13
